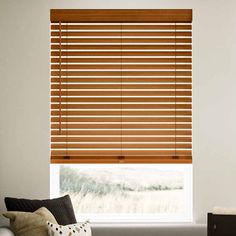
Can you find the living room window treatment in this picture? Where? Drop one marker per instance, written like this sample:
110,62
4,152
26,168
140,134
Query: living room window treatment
121,86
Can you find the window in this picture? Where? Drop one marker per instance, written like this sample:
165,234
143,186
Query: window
127,192
121,92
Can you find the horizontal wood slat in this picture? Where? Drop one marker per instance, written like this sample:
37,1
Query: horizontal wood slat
124,40
118,99
119,106
117,86
119,126
124,34
118,139
124,47
124,113
124,53
111,66
124,79
124,27
103,132
121,93
124,60
121,86
124,73
121,118
140,152
118,145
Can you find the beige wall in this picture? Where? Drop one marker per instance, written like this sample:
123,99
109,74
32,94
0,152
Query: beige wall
24,96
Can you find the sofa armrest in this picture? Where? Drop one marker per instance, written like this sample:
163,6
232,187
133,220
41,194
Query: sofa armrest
6,231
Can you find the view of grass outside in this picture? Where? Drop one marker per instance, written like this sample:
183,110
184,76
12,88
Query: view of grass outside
128,189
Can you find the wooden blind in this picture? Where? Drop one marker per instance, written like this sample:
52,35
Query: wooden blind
121,86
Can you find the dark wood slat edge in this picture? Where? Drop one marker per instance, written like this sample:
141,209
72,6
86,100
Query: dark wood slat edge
121,15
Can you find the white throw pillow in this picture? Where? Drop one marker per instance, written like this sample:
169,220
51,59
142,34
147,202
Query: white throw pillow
79,229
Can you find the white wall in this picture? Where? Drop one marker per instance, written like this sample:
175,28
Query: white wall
24,96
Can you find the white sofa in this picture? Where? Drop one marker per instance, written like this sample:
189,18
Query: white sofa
139,230
4,231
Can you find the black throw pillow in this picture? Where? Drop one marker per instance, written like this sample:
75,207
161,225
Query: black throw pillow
61,208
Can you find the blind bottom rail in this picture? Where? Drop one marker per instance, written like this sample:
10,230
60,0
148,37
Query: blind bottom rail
121,159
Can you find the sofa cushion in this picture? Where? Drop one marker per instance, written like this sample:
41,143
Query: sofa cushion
61,208
30,223
79,229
